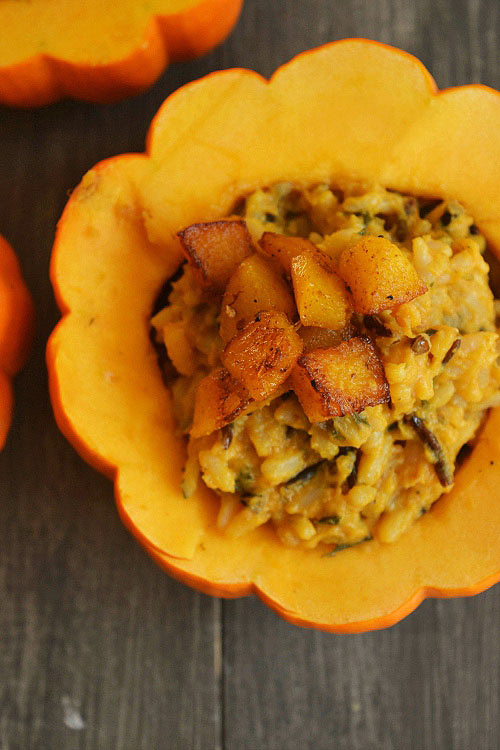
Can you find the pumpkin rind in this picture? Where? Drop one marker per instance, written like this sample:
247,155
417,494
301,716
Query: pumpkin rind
101,51
16,330
108,397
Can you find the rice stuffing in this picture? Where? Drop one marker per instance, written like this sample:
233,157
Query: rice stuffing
369,471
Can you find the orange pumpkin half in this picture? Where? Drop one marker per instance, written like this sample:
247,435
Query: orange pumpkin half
352,109
101,50
16,329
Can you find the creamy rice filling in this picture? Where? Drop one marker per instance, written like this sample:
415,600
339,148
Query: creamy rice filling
372,474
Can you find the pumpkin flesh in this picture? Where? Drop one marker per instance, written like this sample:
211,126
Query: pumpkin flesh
239,119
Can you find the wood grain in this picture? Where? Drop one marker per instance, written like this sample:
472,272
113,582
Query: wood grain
98,648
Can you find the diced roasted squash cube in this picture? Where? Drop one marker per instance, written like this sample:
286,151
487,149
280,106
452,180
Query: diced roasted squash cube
219,400
324,338
263,354
215,248
321,296
256,285
283,248
379,275
178,347
344,380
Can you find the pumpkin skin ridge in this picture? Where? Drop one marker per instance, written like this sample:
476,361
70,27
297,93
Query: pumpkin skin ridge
18,320
231,589
174,37
64,423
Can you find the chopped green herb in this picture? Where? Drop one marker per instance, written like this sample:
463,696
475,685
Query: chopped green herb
341,547
360,419
330,520
244,481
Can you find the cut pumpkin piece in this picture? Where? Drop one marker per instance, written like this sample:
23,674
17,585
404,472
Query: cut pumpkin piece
219,400
379,275
255,286
344,380
101,50
321,295
283,248
215,248
263,354
16,330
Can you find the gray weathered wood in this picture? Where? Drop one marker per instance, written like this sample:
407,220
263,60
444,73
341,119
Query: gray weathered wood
89,627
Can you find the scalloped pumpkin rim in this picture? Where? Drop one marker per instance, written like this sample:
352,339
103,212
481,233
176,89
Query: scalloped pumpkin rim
352,628
174,565
47,78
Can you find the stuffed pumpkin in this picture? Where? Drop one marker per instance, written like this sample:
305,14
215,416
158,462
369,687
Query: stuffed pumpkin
358,217
16,329
101,50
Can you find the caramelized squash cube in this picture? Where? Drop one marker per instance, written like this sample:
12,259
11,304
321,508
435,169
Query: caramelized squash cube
339,381
262,356
321,295
215,248
379,275
283,248
219,400
255,286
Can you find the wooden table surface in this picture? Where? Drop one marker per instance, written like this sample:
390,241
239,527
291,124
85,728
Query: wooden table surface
99,648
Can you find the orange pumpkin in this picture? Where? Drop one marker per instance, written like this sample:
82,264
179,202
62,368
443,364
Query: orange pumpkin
101,50
16,328
116,244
